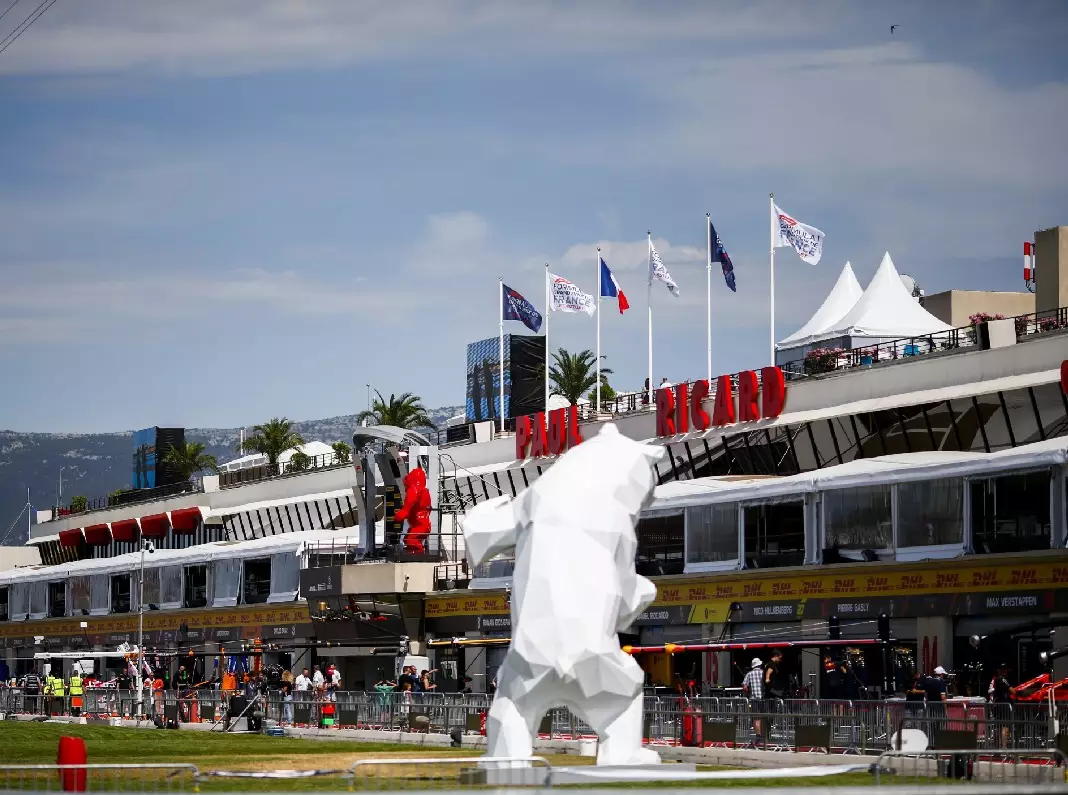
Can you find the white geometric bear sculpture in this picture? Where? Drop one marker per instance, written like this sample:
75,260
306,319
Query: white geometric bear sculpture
573,590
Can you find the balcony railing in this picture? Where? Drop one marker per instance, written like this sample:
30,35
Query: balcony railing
241,477
128,497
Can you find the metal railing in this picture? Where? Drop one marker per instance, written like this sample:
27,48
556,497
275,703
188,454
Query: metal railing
294,466
1009,768
861,727
101,778
450,773
129,497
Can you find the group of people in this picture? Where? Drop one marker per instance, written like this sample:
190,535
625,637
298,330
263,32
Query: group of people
48,693
409,682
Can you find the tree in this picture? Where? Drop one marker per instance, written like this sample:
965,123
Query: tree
571,375
342,452
299,461
189,459
406,411
78,503
607,392
272,439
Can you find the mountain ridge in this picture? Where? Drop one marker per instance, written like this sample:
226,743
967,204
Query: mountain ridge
95,464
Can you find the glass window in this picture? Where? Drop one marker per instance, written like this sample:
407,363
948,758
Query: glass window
1011,513
99,594
930,512
661,543
3,604
19,596
257,581
120,593
79,596
712,533
857,519
57,599
499,566
774,534
196,586
170,587
38,599
285,577
152,577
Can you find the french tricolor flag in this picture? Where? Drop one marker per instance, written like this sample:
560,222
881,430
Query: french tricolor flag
610,288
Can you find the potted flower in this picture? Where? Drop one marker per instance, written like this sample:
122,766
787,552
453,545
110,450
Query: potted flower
976,319
822,360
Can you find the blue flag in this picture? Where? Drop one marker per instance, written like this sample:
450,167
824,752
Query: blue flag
516,307
720,255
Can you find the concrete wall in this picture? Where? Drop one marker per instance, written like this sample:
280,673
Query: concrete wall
1051,268
10,557
956,306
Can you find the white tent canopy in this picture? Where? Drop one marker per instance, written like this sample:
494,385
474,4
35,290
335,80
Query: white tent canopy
842,298
886,311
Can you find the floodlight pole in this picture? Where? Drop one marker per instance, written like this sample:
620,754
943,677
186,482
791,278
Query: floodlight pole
141,635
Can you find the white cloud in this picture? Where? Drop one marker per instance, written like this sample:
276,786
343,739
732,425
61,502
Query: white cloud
240,36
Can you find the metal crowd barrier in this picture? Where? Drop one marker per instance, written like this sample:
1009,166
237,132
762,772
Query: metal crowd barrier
862,727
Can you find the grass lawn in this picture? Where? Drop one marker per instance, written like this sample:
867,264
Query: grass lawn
26,743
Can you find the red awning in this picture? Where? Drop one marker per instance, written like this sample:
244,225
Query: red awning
97,535
184,521
124,530
154,526
70,538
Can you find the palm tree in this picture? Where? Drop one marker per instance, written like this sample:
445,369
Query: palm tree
406,411
189,459
573,374
272,439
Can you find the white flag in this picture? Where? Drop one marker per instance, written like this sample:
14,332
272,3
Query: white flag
564,296
806,240
659,272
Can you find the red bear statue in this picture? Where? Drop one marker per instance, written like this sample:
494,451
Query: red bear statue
416,511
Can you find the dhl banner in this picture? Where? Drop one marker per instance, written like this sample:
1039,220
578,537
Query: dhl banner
709,599
153,621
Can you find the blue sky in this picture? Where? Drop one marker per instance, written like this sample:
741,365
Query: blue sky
217,213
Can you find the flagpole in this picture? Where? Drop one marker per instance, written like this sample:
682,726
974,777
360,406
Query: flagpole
649,299
597,310
500,299
771,273
548,314
708,295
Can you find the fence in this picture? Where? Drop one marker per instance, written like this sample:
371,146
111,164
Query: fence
1031,767
863,727
100,778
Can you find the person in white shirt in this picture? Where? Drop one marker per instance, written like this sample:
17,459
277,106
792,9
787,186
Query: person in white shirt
302,682
317,678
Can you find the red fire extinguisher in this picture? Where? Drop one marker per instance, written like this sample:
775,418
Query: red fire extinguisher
482,723
693,728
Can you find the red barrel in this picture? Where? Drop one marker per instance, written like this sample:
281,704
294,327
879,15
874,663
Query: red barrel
72,752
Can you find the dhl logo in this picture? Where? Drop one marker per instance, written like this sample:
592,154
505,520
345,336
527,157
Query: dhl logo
911,581
753,589
947,580
845,585
1024,577
876,584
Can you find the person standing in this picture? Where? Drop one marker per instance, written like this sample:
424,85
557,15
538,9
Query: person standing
753,687
76,692
1001,695
317,680
33,692
287,697
935,692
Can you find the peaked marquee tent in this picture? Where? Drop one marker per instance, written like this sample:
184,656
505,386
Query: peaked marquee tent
843,296
885,311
